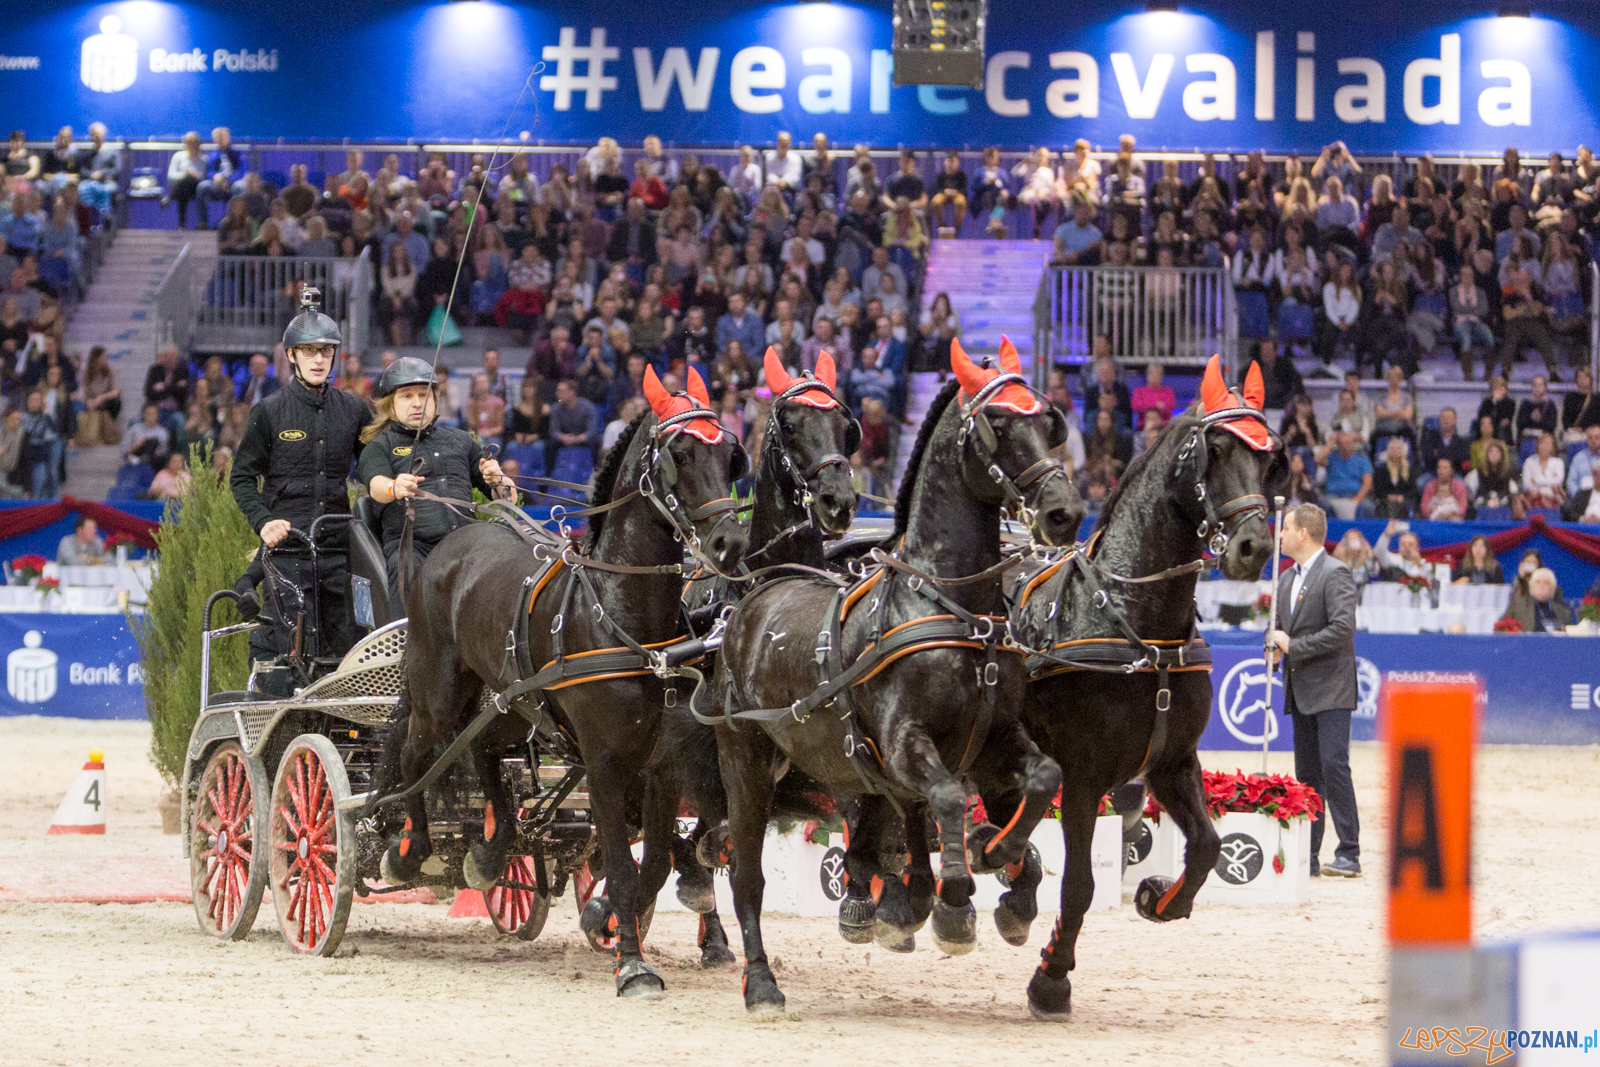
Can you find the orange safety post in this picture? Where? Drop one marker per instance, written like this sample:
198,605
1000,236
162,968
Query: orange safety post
1432,730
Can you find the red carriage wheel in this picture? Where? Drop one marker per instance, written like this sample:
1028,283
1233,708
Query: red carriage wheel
226,871
313,846
521,913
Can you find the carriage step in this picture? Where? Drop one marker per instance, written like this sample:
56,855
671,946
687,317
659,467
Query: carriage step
351,803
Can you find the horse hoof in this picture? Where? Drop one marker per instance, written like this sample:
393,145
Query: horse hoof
1013,927
715,849
398,870
474,876
761,993
895,938
637,979
699,897
855,920
1050,999
599,924
1147,898
955,930
715,955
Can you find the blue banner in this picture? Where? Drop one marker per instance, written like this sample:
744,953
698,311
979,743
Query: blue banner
77,666
1537,689
1381,78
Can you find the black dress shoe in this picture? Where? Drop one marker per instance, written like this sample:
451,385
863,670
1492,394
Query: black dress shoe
1316,869
1343,868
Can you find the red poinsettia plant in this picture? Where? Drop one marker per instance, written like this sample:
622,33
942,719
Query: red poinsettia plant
1589,609
1281,796
28,568
46,586
117,539
1507,625
1263,605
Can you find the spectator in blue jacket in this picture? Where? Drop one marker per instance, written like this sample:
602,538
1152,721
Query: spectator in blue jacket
869,380
742,325
224,170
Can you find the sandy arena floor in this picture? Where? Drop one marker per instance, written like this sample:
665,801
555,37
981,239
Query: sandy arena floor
135,985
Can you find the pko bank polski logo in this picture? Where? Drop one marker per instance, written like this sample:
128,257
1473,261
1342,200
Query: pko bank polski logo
110,58
1242,697
33,672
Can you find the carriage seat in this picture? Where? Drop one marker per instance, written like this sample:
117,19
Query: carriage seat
367,561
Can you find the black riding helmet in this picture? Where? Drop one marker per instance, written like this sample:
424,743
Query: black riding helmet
408,370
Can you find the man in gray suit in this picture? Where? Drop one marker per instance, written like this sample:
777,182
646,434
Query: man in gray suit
1316,640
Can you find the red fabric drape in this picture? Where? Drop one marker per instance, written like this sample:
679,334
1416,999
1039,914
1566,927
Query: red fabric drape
17,521
1585,546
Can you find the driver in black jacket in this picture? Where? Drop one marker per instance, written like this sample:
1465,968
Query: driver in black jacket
291,468
408,450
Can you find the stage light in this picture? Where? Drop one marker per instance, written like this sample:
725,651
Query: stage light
939,42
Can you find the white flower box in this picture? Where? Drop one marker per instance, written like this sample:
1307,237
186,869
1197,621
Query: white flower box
1157,851
1244,874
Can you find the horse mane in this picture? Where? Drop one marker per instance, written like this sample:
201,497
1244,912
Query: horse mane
605,482
902,503
1179,427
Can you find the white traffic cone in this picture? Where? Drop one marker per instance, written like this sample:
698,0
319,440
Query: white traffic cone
83,809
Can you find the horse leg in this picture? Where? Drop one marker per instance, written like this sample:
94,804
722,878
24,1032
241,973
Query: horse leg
875,904
486,860
746,756
916,762
1180,788
712,939
608,802
1050,990
1013,775
696,890
919,878
402,861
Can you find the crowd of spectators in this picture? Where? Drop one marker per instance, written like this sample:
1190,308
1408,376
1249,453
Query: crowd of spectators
1490,264
612,265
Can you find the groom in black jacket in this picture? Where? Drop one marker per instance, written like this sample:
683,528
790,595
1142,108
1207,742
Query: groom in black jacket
1315,638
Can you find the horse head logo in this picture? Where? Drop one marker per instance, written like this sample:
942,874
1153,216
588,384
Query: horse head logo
1243,695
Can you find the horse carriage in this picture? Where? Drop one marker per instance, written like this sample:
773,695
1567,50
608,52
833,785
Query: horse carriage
276,789
894,666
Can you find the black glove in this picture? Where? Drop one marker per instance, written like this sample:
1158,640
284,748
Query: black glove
249,606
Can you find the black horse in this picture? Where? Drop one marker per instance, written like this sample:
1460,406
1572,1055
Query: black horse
908,670
803,497
617,602
1126,600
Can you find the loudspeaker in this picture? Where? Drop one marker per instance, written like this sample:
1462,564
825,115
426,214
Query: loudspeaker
939,42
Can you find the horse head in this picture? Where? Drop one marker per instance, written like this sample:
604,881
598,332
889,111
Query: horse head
1007,435
1226,469
811,436
689,461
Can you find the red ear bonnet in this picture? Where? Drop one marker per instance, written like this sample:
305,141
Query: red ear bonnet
1013,396
666,405
1216,396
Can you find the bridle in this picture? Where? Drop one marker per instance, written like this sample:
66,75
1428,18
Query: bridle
976,427
1219,524
801,481
658,484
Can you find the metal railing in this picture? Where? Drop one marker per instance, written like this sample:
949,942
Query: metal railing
1149,314
244,302
1594,319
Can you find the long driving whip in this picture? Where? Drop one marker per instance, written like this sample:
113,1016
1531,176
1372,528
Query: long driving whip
1272,624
